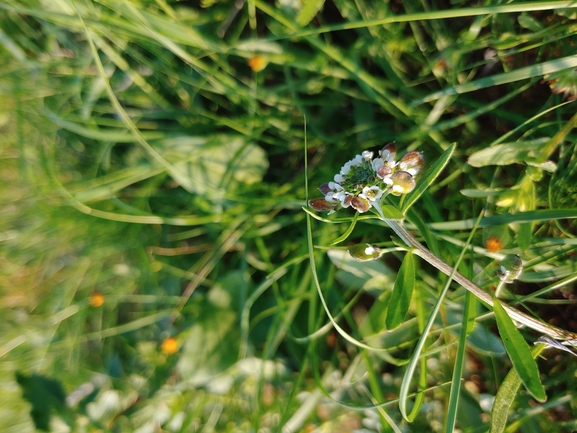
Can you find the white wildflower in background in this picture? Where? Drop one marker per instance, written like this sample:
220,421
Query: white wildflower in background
563,82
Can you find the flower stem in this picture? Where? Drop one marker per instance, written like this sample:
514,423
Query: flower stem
422,251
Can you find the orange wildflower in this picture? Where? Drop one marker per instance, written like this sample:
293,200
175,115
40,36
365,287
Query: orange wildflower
257,63
493,244
96,299
169,346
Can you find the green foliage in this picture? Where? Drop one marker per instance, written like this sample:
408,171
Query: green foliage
154,255
44,395
402,293
519,352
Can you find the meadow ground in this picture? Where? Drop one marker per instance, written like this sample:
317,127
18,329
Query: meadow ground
161,270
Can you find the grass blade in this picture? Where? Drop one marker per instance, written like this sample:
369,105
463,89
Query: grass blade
458,368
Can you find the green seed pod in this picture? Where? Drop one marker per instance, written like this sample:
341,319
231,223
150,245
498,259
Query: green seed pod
403,183
510,268
365,252
412,163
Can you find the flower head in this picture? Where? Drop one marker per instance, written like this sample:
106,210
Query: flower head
364,180
563,82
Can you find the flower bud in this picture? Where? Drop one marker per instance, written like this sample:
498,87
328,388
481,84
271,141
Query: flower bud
325,188
403,183
365,252
389,152
510,268
384,171
322,205
412,163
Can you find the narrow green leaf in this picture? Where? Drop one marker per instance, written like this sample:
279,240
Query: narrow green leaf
519,352
506,395
402,293
348,232
428,178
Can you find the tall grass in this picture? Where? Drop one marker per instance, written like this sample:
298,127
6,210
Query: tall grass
155,269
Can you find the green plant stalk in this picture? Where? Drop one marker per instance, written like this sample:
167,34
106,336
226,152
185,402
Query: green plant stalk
423,252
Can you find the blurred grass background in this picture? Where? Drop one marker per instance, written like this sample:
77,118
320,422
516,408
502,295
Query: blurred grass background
154,268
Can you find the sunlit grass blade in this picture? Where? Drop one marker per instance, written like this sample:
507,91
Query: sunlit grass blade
519,217
533,71
519,353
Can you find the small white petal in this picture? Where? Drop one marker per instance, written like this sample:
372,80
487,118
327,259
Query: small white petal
334,186
398,189
339,178
369,251
367,155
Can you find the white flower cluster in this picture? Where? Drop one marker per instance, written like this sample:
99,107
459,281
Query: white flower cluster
363,180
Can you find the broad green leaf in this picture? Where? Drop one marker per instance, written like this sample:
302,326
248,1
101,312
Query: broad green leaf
212,343
428,178
402,293
215,163
530,23
508,153
506,395
519,352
